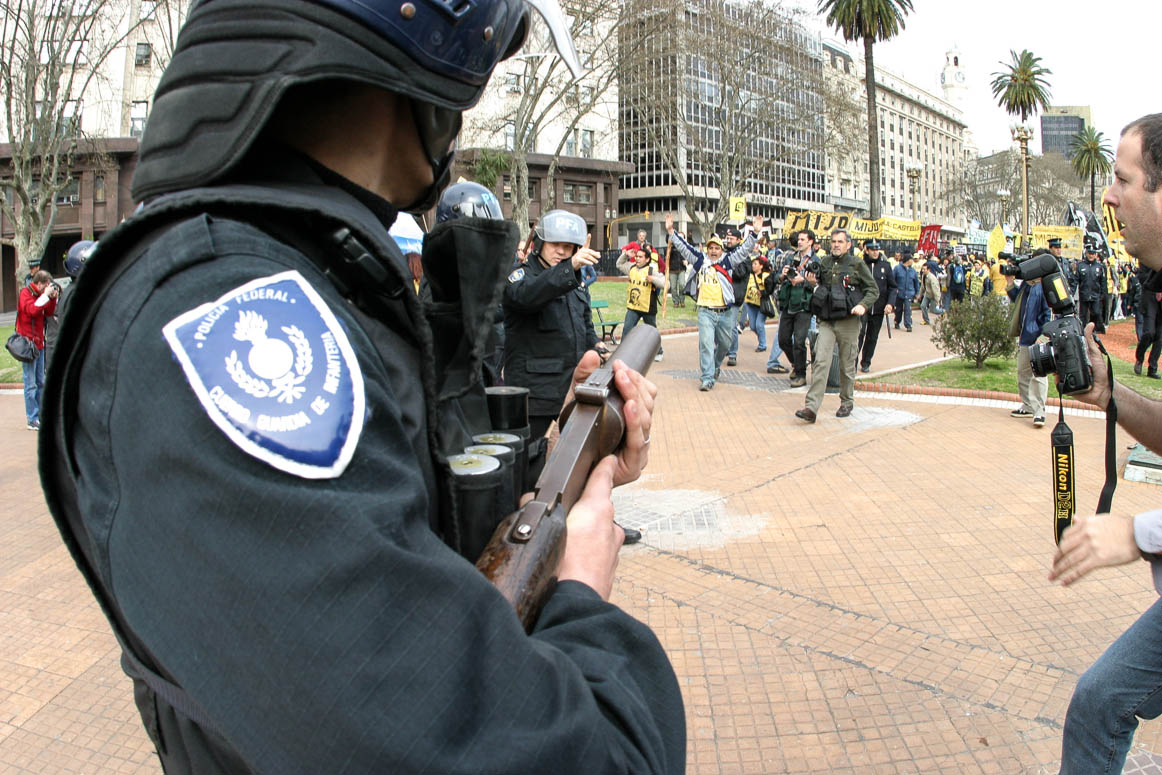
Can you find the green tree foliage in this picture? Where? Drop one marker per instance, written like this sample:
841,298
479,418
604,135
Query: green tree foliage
488,166
872,21
1091,156
1021,88
975,329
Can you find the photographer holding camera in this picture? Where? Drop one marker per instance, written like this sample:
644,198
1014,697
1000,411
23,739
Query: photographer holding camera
1125,684
1030,315
844,291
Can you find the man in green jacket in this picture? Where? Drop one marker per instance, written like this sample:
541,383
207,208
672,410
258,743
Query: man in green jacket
792,297
842,277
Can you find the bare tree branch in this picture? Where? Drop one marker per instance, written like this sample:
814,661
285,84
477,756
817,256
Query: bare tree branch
54,53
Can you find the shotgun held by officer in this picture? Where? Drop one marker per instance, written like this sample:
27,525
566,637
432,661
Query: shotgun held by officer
521,559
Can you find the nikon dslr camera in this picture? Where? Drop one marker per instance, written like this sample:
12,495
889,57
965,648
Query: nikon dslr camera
1066,352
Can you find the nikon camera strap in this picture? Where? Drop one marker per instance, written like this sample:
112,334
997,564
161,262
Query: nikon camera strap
1064,485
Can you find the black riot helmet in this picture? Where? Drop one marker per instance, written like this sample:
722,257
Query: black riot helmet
236,59
468,200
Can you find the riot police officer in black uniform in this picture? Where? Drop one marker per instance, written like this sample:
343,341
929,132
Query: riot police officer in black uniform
547,319
467,199
1091,290
871,323
249,417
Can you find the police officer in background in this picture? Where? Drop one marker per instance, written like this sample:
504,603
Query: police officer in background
1055,249
250,414
871,323
547,320
1091,290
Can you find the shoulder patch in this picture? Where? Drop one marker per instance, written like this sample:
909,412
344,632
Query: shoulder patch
274,370
517,275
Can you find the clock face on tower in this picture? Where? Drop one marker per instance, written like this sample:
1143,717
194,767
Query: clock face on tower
942,79
960,77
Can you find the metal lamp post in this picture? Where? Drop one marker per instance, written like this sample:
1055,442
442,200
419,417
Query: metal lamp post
1003,194
1023,134
913,171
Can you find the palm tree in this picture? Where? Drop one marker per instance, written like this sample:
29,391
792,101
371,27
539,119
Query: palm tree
873,21
1090,157
1022,88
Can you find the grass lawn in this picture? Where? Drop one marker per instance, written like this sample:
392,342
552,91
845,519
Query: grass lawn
1001,374
615,292
9,366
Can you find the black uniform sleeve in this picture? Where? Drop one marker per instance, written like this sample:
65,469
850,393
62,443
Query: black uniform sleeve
321,623
532,292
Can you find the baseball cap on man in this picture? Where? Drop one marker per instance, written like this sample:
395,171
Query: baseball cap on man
714,238
733,232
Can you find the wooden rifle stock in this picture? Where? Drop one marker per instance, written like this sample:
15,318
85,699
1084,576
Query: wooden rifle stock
522,557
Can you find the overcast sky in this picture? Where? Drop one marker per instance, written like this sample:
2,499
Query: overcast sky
1106,54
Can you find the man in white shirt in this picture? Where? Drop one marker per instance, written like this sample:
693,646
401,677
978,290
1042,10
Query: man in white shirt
1125,684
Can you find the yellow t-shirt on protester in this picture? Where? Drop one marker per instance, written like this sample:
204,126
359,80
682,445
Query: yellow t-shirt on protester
640,290
754,285
1000,282
709,291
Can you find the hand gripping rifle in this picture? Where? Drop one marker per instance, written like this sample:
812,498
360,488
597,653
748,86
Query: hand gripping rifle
522,557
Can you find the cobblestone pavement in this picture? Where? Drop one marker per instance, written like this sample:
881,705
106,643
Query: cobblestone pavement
862,595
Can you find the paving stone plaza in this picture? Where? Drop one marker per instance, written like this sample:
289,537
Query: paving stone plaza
862,595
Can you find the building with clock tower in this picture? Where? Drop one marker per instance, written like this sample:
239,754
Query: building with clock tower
953,80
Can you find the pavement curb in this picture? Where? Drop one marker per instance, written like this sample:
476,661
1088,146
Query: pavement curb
992,395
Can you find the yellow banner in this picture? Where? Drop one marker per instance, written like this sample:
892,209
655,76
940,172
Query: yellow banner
816,220
823,223
738,208
1070,236
889,228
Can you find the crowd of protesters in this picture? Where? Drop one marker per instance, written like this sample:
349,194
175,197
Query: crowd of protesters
744,279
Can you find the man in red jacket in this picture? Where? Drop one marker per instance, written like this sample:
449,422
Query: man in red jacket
37,301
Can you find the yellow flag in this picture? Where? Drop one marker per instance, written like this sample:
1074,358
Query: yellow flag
996,242
738,208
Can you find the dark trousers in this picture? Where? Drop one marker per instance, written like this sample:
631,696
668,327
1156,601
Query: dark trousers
956,294
1092,312
1150,338
869,336
793,339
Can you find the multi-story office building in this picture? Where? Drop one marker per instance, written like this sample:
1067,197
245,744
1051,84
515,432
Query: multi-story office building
756,117
918,131
1060,124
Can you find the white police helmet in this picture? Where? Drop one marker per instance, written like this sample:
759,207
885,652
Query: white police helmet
562,226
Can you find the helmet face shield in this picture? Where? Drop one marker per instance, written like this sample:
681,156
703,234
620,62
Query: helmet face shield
558,24
562,226
468,200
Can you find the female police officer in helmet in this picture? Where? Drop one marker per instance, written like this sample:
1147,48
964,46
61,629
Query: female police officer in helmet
251,480
547,320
